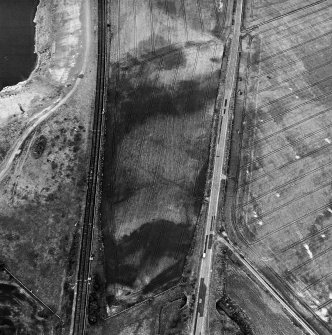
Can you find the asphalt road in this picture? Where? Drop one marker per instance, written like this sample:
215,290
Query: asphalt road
91,207
201,308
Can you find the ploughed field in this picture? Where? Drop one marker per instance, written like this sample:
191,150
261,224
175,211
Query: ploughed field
165,61
284,206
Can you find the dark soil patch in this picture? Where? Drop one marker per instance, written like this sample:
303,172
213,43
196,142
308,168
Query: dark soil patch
149,244
38,146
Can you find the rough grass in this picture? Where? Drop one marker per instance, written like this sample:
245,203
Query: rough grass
163,83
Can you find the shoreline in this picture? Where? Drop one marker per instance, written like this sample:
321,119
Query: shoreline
20,84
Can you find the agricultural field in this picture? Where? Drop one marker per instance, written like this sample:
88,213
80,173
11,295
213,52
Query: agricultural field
165,65
283,209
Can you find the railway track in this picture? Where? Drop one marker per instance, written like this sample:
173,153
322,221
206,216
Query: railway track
90,215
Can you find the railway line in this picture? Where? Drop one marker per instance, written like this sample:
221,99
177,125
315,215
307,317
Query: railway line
90,215
292,311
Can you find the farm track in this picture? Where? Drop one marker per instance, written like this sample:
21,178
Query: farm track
301,90
153,47
324,304
291,35
288,224
259,24
169,39
296,76
135,27
258,159
277,3
308,154
185,19
90,215
304,239
287,128
284,185
286,204
284,66
199,12
281,12
274,28
328,275
284,51
284,112
310,260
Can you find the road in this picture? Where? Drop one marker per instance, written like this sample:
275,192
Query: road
91,208
201,308
44,114
268,287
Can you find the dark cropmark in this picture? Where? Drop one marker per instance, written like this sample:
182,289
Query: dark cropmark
172,57
157,239
168,6
135,105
